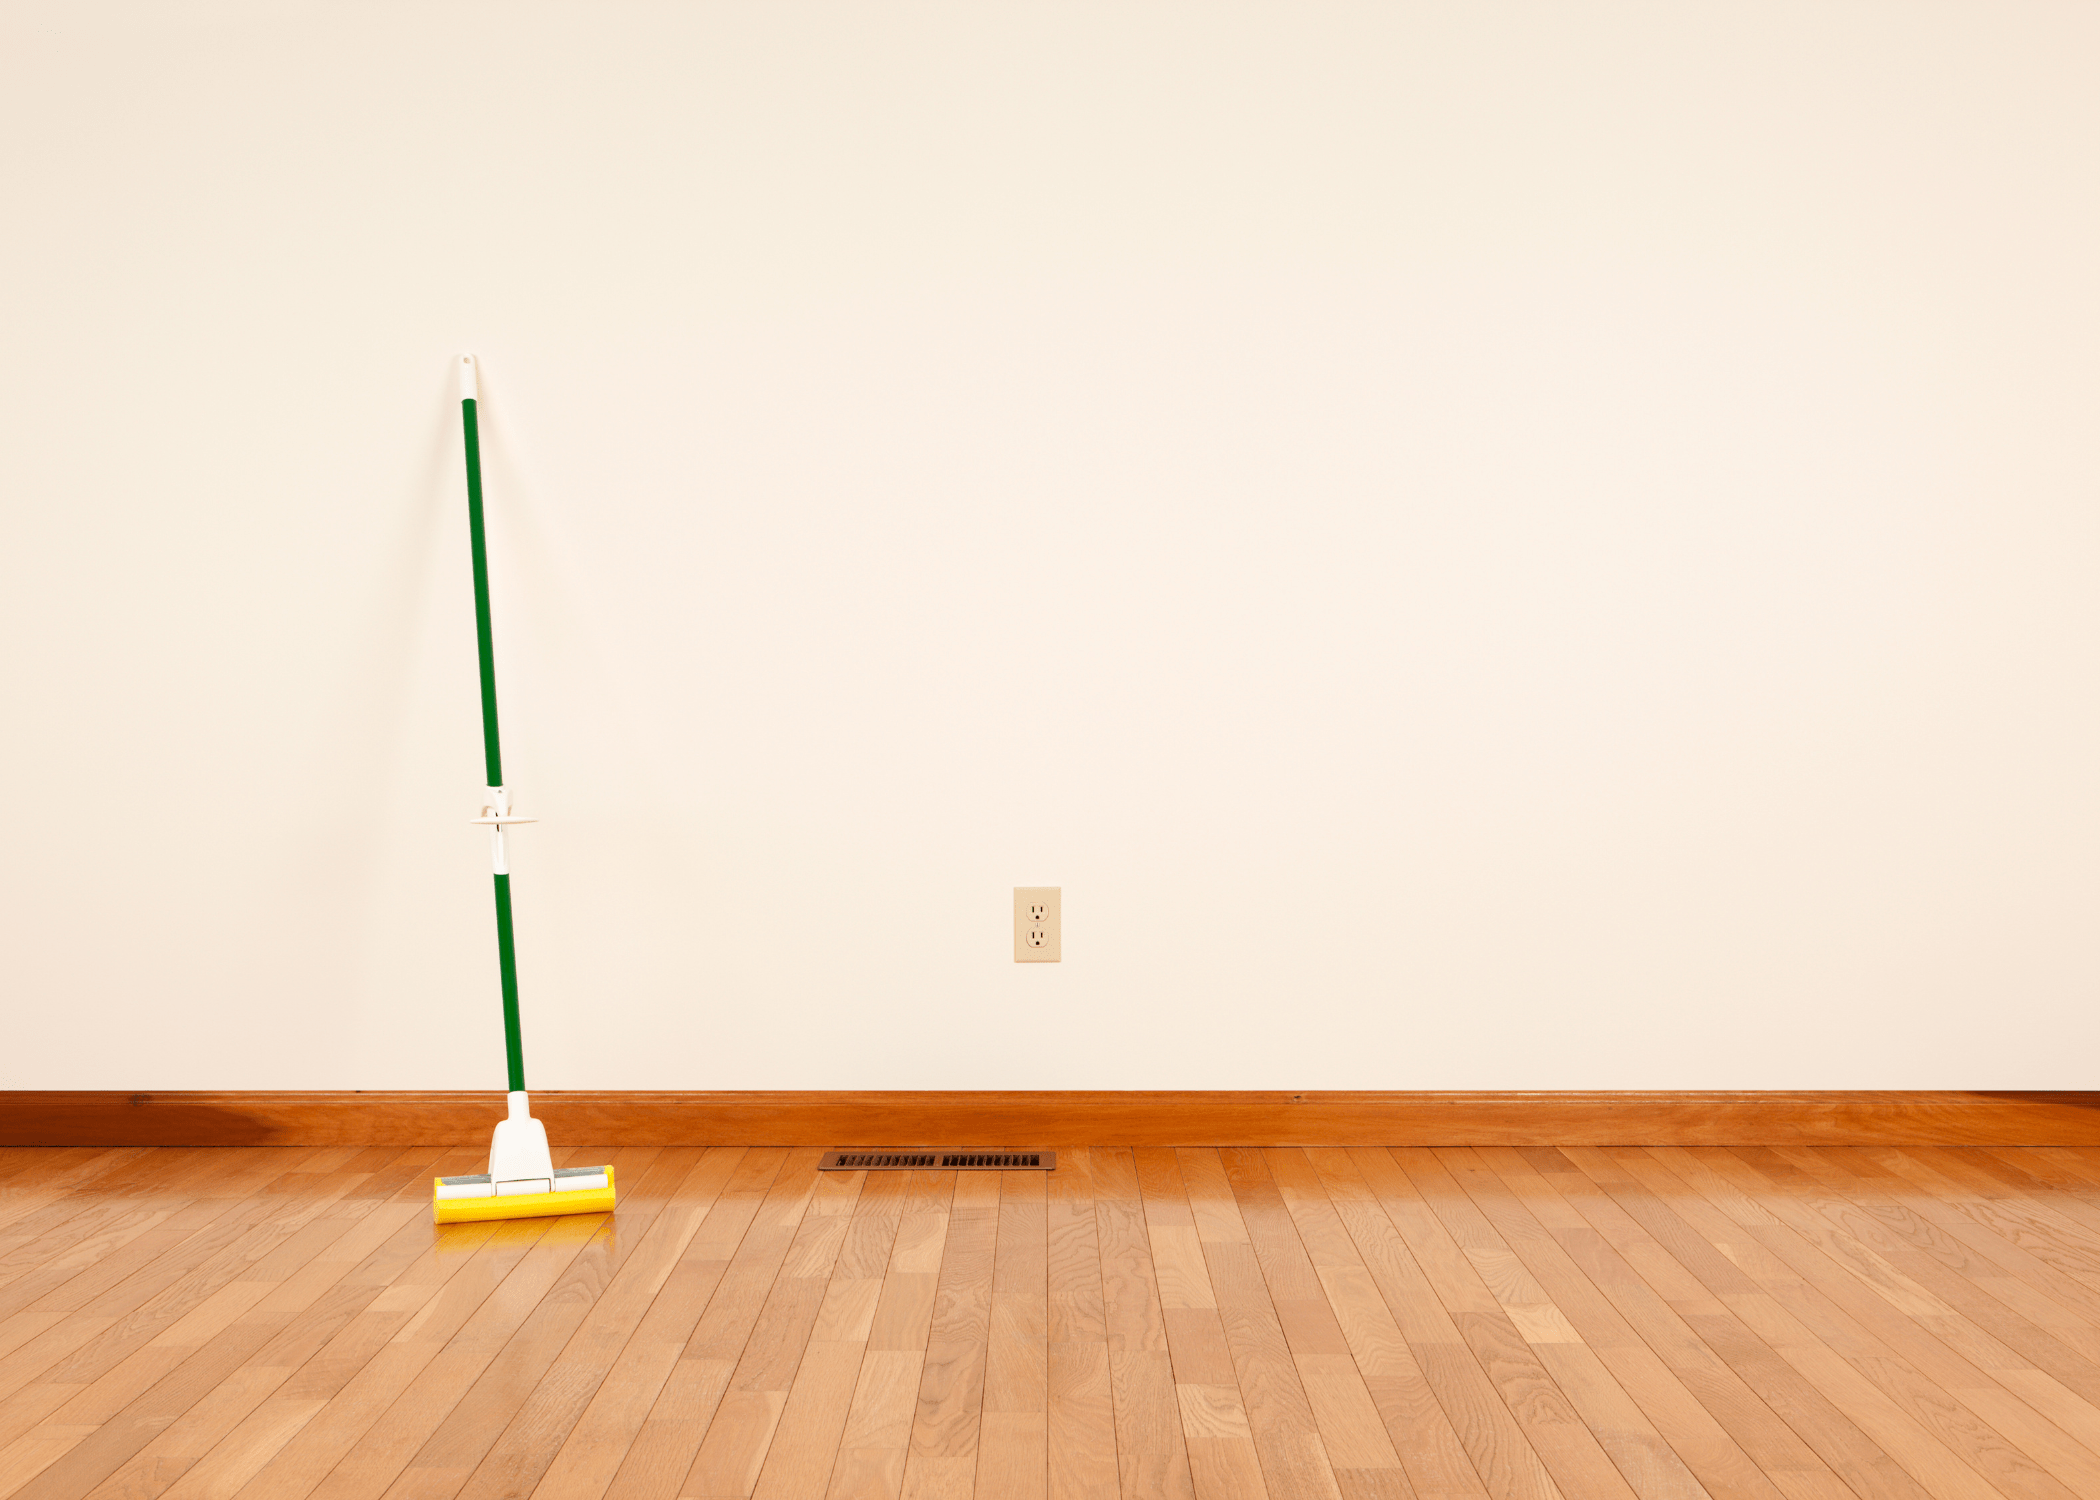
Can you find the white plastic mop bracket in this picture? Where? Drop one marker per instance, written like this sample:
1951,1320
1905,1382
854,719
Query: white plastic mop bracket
496,816
495,809
519,1161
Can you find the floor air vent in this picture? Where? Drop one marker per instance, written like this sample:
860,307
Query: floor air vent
938,1161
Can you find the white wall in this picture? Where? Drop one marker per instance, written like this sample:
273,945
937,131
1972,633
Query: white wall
1484,545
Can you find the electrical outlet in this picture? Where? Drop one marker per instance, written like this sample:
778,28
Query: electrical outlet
1036,924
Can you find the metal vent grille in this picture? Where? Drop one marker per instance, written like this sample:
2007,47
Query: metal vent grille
943,1160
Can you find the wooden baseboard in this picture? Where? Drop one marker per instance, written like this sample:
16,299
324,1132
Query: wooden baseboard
1243,1118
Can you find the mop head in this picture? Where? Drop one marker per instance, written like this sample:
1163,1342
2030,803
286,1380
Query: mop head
522,1181
577,1190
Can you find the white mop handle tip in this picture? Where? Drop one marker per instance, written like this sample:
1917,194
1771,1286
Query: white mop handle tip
469,387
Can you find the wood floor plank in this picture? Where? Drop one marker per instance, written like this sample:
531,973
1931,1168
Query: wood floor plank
657,1461
220,1445
661,1211
16,1159
1352,1433
592,1451
419,1408
1258,1285
2041,1334
2030,1175
124,1198
2036,1233
1793,1432
1503,1459
457,1443
1845,1316
1827,1236
1012,1456
89,1252
1452,1242
734,1449
877,1435
463,1304
1907,1442
941,1458
147,1370
283,1321
1081,1432
62,1177
1428,1446
1013,1461
1971,1268
289,1442
1219,1437
2050,1376
63,1318
2055,1227
1621,1243
1016,1361
2082,1162
566,1436
2064,1301
2037,1178
1775,1448
799,1462
1991,1423
1671,1414
192,1294
2070,1170
1497,1396
1152,1460
161,1434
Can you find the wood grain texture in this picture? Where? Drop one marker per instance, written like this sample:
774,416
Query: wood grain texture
1135,1118
1081,1409
1756,1322
1152,1457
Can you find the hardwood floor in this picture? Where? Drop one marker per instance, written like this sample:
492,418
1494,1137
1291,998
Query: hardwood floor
1331,1323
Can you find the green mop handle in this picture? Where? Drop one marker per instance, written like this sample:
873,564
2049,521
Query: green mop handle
484,637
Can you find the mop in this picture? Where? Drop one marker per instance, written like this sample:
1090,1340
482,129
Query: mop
522,1181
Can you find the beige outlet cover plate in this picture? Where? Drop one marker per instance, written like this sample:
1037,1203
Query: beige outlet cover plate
1038,931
